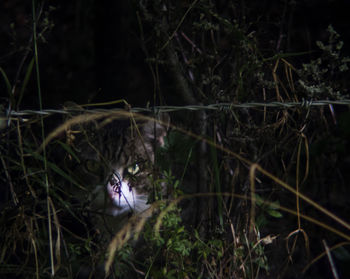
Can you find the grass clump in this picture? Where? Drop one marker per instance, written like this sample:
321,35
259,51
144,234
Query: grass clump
248,189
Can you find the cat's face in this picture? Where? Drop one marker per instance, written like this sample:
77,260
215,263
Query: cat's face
116,163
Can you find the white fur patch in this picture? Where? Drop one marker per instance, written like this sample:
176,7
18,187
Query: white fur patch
125,199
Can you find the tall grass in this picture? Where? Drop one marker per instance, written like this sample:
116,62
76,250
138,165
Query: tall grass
251,192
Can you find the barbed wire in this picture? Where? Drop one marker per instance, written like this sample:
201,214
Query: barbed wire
162,109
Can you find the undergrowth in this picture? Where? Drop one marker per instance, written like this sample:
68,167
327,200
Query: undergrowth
251,193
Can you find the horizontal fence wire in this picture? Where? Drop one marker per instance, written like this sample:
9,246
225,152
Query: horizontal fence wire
161,109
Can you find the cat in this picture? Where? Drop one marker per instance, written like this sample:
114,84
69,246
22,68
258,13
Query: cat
116,162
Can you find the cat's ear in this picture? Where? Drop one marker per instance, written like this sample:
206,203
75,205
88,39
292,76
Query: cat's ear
157,129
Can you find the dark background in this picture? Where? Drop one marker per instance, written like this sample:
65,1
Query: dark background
93,52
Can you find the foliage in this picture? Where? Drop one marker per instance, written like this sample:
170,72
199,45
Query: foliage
320,78
242,184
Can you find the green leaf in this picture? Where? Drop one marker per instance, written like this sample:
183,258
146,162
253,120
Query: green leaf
55,168
69,150
274,205
8,86
274,213
342,254
25,81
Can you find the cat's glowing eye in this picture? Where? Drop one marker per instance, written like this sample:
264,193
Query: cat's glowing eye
134,169
92,165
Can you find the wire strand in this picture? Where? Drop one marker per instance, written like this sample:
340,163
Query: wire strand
161,109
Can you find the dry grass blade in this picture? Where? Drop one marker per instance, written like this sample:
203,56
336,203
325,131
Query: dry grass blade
330,260
341,244
130,230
